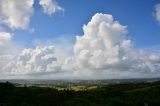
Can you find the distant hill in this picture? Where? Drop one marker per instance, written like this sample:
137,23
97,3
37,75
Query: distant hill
80,82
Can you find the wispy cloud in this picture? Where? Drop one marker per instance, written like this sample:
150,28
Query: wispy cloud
50,7
157,10
5,37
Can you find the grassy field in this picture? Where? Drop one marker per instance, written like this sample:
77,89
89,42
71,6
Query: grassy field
74,87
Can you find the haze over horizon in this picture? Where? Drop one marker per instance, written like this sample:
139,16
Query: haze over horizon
82,39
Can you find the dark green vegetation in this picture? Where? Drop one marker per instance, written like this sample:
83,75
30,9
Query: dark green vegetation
123,94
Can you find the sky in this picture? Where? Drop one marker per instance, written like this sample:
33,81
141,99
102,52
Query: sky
79,39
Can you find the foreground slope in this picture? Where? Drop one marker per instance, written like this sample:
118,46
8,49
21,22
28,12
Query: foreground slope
123,94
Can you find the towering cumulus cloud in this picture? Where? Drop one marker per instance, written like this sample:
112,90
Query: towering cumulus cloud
104,48
102,43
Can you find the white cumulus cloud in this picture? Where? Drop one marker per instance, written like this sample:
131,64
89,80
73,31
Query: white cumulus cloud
40,60
16,13
101,43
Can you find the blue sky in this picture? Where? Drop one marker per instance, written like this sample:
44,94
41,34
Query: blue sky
79,39
138,15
